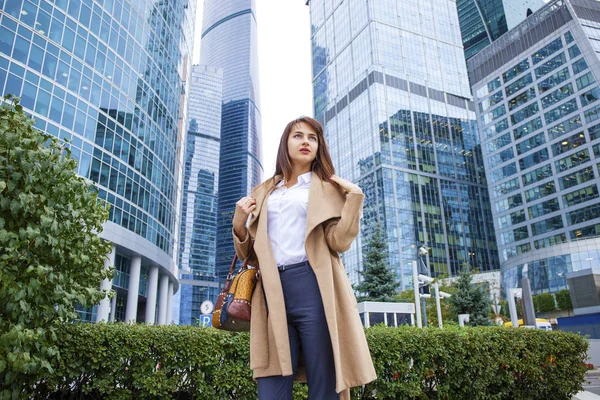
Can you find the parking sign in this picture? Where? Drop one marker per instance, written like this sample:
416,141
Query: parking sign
206,321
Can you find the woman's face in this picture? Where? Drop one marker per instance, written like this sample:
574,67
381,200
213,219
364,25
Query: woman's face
303,144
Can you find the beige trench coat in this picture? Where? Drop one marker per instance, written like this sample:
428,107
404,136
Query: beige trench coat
332,223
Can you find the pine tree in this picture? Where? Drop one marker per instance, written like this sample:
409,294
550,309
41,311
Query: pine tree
471,299
379,282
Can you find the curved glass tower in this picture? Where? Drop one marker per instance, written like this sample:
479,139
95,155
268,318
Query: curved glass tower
110,77
538,103
229,42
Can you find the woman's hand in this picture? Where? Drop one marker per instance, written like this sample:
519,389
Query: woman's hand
347,186
243,208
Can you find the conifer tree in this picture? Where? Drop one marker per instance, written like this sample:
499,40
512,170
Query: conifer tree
379,281
471,299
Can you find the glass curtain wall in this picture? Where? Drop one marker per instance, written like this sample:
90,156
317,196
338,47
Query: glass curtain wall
542,149
481,22
390,86
108,78
200,195
229,42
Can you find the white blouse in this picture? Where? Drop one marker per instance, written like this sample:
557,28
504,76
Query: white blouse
286,220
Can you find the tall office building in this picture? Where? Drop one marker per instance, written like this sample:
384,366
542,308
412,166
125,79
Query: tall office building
229,42
111,77
197,252
537,95
391,89
481,22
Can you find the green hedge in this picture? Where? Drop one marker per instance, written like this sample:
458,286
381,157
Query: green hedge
148,362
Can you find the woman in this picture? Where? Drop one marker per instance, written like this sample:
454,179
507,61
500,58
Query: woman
304,324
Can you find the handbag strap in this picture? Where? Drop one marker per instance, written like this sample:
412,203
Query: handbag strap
244,263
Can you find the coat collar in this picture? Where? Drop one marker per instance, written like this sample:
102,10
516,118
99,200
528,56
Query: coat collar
324,201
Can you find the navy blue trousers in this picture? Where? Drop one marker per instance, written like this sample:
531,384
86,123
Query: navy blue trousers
308,331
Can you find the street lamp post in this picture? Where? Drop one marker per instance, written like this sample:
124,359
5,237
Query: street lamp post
427,279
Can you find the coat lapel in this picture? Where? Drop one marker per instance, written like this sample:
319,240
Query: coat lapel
324,202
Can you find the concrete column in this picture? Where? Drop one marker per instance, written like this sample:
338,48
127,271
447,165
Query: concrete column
113,308
170,304
162,301
151,298
132,291
103,308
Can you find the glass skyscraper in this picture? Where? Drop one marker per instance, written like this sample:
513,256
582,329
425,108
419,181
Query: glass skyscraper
481,22
391,89
229,42
537,96
197,250
110,77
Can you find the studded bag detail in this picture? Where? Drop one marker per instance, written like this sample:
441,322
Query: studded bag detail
232,311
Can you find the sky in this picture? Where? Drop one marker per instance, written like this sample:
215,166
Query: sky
284,61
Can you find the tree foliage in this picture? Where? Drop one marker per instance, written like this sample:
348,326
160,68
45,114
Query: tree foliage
544,302
505,311
472,299
51,256
449,317
379,282
563,299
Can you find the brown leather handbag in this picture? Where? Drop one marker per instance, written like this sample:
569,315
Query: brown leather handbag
232,311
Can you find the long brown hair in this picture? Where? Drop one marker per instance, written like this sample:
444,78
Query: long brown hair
321,165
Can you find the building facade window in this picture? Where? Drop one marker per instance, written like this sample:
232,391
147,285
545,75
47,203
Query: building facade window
557,96
550,65
537,175
568,144
543,208
531,143
534,159
546,225
581,196
516,70
576,178
547,50
540,191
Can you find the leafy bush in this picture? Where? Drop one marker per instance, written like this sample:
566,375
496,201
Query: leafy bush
52,256
563,299
544,302
147,362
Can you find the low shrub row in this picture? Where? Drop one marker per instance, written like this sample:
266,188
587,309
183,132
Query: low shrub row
120,361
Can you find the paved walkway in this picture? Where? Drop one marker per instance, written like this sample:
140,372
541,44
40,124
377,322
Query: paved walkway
585,395
591,386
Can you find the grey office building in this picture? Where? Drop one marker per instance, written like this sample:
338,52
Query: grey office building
391,89
537,96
